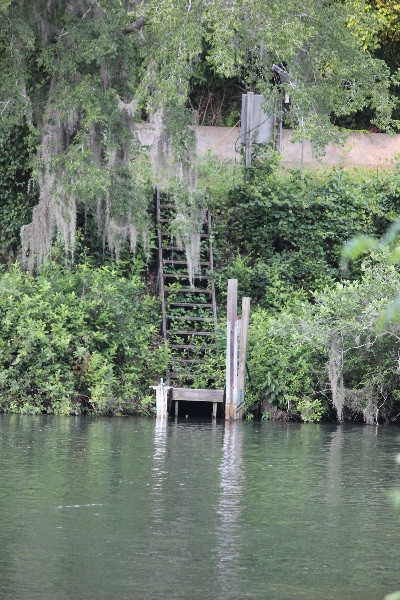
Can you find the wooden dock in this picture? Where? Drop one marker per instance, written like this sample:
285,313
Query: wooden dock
193,395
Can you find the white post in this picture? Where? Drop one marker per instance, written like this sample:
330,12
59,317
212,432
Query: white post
161,399
231,341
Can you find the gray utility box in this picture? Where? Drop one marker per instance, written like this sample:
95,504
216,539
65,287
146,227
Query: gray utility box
255,121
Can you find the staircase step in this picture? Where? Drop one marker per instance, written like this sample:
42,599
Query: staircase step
173,375
187,347
169,221
183,332
169,234
192,291
184,276
194,361
190,304
191,376
183,318
174,248
183,262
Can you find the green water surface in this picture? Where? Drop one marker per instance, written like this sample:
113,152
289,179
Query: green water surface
125,509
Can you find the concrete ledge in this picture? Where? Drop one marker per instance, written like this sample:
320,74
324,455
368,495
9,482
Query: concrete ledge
369,150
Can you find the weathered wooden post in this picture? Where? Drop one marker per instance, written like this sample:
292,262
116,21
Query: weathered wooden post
237,332
244,336
231,351
161,399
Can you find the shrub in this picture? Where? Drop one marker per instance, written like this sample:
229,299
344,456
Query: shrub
287,231
76,339
332,354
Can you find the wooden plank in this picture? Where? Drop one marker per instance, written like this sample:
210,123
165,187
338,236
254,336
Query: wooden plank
203,236
183,262
191,291
174,248
244,334
193,395
188,318
190,304
172,331
197,361
187,376
249,128
230,408
160,267
187,346
169,220
211,256
185,276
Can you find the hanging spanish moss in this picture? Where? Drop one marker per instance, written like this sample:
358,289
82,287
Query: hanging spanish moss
175,171
88,147
335,373
55,214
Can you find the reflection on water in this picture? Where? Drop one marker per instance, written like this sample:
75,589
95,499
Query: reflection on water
230,507
158,473
128,509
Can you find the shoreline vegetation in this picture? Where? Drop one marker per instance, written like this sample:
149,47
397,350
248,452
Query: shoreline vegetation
85,337
79,317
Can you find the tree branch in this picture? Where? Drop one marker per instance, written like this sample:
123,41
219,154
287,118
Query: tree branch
135,27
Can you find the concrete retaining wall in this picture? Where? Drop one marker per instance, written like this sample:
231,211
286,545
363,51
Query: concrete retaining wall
370,150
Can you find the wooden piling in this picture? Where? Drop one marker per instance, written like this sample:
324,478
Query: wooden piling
244,336
231,357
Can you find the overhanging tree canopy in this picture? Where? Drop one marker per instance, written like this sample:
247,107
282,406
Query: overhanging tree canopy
82,73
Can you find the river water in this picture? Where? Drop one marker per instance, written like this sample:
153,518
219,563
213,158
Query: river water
125,509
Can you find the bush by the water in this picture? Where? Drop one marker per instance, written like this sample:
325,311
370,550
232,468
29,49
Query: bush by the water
338,355
77,339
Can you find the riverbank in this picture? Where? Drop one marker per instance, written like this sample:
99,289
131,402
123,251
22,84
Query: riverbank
85,337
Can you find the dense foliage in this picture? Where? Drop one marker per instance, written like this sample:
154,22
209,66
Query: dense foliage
287,230
76,340
79,78
17,193
315,348
83,74
332,354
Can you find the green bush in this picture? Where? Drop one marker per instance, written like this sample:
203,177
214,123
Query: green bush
77,339
281,233
292,355
284,367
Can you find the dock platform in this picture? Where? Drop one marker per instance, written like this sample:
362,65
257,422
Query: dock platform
193,395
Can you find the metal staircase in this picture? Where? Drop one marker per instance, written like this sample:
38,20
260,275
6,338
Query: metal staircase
189,314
